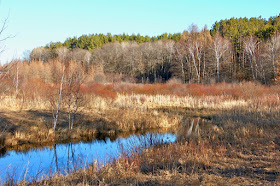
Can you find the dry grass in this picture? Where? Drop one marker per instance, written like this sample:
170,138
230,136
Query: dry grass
195,162
33,124
221,155
241,146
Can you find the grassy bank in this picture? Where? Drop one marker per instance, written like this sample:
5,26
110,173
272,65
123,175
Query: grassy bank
230,152
241,146
36,126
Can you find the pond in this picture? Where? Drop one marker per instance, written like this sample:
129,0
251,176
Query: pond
37,163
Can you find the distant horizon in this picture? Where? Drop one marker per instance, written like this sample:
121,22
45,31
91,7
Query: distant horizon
37,23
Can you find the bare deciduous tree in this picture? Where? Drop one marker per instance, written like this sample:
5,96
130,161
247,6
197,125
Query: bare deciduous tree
273,46
195,46
180,58
5,70
73,78
59,99
82,56
62,53
3,38
41,53
220,46
251,46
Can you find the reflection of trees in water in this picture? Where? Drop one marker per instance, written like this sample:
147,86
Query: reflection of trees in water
102,137
137,143
3,151
116,135
54,160
189,128
66,158
72,162
70,156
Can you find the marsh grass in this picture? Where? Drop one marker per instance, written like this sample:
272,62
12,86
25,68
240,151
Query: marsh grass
130,147
189,162
240,147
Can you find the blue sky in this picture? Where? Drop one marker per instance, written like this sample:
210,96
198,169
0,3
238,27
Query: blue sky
35,23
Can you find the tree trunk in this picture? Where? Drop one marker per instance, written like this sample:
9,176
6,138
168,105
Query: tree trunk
17,79
218,69
183,71
59,99
252,68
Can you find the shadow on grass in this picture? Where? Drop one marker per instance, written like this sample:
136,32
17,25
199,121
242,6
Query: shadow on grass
201,168
253,173
6,125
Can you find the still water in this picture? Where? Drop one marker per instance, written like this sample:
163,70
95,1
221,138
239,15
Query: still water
37,163
64,158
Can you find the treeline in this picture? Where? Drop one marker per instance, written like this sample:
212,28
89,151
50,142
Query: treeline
91,42
233,50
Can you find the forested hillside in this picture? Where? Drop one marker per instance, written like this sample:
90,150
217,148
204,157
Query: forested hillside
232,50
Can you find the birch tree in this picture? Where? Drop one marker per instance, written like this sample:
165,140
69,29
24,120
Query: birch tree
220,46
59,99
73,79
273,46
194,47
180,58
251,46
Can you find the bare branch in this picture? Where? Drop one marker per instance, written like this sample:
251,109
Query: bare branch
3,28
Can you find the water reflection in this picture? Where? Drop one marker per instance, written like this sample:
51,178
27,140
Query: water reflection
190,127
36,163
64,158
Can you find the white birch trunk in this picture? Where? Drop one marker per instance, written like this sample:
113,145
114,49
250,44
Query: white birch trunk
59,98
